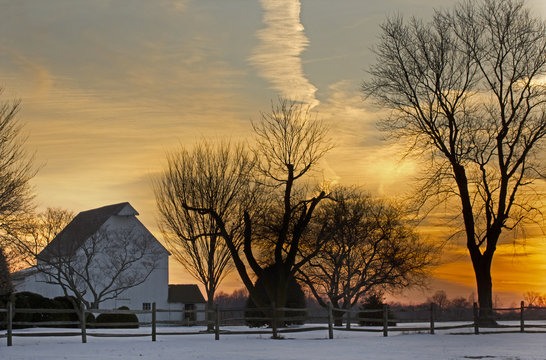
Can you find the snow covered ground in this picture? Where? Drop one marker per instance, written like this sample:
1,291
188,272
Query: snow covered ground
304,346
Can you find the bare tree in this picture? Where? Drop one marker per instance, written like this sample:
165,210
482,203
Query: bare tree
201,175
32,234
235,301
16,170
467,90
369,247
289,143
107,264
533,298
440,299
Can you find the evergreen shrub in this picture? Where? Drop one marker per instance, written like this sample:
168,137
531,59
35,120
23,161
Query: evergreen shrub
123,321
374,302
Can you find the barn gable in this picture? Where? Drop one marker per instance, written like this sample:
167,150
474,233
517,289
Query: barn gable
84,225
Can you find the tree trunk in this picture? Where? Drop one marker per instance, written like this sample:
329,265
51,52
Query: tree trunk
210,315
338,317
281,303
480,262
482,271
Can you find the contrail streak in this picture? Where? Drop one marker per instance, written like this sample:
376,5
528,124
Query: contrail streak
277,57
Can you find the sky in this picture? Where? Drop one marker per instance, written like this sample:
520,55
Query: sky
108,87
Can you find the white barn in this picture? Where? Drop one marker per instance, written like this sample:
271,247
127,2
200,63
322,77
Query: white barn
101,228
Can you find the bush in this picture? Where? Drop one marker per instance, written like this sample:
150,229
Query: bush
295,299
122,321
70,302
29,300
374,302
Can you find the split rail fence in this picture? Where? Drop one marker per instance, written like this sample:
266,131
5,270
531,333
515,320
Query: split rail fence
221,317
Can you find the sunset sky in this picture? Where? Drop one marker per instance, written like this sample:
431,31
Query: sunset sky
109,86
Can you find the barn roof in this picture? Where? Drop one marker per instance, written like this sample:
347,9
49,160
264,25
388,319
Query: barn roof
186,294
85,224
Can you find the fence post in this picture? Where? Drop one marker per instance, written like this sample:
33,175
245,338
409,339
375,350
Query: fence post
476,320
9,318
521,321
385,320
274,320
154,322
216,323
83,324
330,322
432,318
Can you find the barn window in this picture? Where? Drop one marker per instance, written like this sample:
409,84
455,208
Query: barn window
146,306
189,314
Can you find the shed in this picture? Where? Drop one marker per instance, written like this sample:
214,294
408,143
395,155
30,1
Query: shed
190,296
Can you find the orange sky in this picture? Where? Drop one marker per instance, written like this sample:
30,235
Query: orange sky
108,87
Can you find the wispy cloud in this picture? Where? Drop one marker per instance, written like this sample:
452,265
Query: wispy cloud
43,80
93,134
359,156
278,55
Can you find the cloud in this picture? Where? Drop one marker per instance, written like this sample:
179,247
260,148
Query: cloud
360,156
94,133
278,55
43,80
179,5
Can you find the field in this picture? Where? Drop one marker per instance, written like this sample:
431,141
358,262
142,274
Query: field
304,346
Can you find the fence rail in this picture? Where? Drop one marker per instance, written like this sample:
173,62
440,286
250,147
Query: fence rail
275,318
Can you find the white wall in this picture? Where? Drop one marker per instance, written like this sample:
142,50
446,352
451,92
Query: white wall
154,289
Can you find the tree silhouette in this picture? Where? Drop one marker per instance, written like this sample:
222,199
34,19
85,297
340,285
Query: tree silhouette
34,231
368,247
467,91
194,239
16,170
269,206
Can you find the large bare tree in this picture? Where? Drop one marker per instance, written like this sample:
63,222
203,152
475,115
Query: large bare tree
202,175
370,247
289,143
16,170
467,90
104,266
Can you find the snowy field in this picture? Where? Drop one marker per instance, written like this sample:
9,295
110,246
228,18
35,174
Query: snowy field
304,346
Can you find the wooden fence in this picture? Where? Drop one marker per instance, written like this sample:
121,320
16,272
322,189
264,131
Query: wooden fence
275,318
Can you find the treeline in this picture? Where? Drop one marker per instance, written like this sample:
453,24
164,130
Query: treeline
456,308
533,298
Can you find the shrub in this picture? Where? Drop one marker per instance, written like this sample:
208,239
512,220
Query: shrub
29,300
295,299
70,302
122,321
374,302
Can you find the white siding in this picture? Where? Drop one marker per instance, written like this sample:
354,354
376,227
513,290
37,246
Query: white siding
154,289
